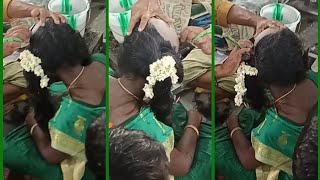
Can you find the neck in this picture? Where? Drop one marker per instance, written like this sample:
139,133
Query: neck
135,86
278,91
67,75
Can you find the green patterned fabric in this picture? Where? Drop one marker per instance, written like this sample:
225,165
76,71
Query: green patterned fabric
67,130
201,166
273,138
146,122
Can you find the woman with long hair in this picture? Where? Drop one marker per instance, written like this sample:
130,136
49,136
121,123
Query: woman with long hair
66,90
141,98
283,94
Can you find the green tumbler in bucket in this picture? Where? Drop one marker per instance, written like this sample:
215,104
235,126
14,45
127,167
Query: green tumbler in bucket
288,15
75,12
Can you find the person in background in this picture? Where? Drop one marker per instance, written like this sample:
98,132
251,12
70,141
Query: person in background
136,156
305,159
96,147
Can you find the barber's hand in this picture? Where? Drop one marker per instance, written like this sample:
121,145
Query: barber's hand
189,33
42,14
204,44
20,32
144,10
245,43
232,63
264,23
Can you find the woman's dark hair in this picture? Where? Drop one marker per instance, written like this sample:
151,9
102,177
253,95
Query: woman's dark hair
280,60
136,156
96,147
138,51
58,46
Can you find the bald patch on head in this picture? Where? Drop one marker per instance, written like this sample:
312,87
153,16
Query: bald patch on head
266,32
166,31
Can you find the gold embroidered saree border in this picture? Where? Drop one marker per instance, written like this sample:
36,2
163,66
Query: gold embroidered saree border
270,156
66,144
168,146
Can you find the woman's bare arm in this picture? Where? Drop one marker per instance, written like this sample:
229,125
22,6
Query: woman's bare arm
43,142
243,147
182,155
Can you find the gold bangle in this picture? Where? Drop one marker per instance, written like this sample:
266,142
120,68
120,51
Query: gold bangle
234,130
33,127
194,128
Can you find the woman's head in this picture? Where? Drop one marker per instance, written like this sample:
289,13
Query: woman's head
138,52
136,156
59,47
280,58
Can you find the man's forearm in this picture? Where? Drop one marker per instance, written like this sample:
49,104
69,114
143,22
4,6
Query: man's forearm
219,72
238,15
17,9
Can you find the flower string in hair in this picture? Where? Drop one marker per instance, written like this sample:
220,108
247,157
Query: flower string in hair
159,71
31,63
240,87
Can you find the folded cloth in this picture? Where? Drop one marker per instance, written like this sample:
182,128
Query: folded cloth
195,64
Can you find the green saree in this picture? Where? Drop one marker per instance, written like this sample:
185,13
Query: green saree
201,165
145,121
273,138
67,130
274,141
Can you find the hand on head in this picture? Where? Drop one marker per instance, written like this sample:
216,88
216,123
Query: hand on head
145,9
42,14
263,24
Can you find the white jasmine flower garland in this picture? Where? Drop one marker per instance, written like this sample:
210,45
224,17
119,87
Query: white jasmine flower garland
159,71
240,87
31,63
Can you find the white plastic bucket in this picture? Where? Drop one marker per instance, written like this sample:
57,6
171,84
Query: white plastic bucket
117,6
291,16
118,23
78,16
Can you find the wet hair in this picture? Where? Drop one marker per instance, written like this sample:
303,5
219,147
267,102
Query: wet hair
58,46
96,147
138,51
280,60
136,156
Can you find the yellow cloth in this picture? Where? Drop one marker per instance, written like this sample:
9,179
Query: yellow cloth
13,74
221,10
195,65
227,83
6,3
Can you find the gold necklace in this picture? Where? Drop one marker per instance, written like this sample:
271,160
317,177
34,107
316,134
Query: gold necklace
283,96
75,79
124,88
